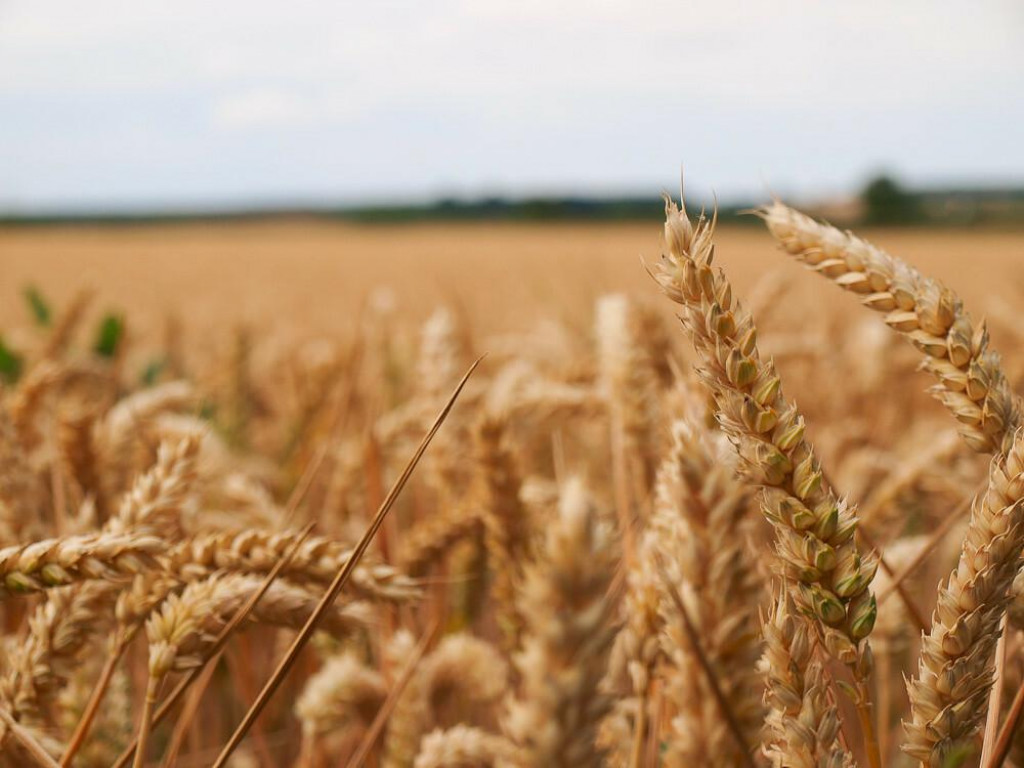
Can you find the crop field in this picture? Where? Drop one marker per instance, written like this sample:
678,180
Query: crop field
697,505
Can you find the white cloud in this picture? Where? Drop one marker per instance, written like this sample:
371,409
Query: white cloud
261,107
521,93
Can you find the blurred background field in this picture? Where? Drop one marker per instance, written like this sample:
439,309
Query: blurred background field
312,275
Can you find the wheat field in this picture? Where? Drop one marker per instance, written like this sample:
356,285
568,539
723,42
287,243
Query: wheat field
695,506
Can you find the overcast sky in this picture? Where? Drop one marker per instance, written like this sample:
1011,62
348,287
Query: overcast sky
128,103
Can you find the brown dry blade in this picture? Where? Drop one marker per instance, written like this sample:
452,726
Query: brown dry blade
27,740
222,639
1005,740
339,581
694,637
937,535
381,718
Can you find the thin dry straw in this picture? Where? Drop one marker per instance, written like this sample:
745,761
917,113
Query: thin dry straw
694,637
951,520
339,581
1009,729
221,641
381,718
26,739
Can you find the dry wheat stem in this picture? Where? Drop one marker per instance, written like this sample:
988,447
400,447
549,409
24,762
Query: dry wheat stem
27,740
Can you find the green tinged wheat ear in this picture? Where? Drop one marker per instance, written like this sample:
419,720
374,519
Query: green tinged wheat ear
58,562
971,382
948,698
825,572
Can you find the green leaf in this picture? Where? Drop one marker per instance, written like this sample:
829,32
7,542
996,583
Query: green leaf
39,306
109,335
151,373
11,364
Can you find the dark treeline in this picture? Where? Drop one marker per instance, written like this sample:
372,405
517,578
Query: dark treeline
883,201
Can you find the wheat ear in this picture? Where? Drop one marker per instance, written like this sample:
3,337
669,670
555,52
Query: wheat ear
826,573
700,531
972,384
949,695
57,631
344,695
58,562
153,505
506,526
466,747
459,681
566,638
802,722
316,561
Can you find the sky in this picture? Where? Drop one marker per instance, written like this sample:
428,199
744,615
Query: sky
121,104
